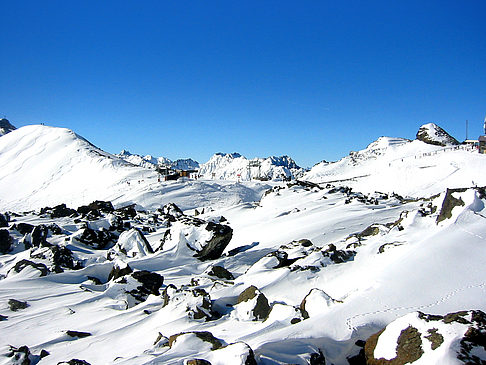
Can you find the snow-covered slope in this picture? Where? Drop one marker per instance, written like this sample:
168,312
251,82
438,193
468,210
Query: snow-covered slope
410,168
151,162
5,127
228,166
41,165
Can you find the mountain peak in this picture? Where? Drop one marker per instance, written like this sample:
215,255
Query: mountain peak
431,133
5,127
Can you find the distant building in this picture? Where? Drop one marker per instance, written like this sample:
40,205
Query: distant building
482,144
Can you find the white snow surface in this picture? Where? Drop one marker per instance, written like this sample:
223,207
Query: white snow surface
408,168
411,264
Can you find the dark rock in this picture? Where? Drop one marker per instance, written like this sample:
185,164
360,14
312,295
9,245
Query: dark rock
197,362
20,356
338,256
151,282
96,207
214,248
4,220
23,228
39,236
61,258
202,335
22,264
317,359
61,210
171,210
262,308
77,334
97,239
449,203
44,353
74,362
220,272
435,338
16,305
95,280
127,212
5,241
3,318
117,272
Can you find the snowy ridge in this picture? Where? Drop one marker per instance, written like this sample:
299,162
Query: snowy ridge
151,162
225,166
410,168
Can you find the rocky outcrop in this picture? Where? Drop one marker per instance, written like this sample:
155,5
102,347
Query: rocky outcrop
16,305
5,241
195,302
59,211
433,134
96,239
5,127
417,336
220,238
201,335
449,203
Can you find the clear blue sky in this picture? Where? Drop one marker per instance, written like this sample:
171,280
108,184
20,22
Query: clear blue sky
311,79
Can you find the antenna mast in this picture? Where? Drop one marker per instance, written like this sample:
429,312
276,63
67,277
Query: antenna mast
466,128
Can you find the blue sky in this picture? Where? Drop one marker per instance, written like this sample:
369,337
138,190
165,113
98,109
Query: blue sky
311,79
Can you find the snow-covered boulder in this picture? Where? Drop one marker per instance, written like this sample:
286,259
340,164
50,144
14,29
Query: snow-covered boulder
195,303
433,134
132,243
315,303
418,338
252,305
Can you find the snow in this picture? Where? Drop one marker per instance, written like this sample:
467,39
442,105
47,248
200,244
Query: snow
411,263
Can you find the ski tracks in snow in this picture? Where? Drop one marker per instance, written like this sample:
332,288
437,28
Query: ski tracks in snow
445,298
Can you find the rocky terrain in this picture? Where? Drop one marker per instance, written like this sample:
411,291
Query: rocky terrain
225,272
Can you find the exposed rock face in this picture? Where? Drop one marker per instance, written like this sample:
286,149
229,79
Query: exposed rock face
5,241
96,239
419,336
221,237
253,305
449,203
433,134
59,211
5,127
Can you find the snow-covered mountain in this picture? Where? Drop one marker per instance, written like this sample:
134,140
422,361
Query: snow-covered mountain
412,168
151,162
233,166
222,272
5,127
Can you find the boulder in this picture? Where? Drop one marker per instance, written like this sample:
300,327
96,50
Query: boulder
133,243
195,302
74,362
96,239
449,203
201,335
420,336
59,258
220,272
5,241
77,334
252,305
23,228
315,302
60,211
214,247
338,256
4,218
96,207
16,305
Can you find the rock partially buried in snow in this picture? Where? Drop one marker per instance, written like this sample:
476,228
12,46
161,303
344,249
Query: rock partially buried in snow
458,337
252,305
315,303
204,336
238,353
133,243
5,241
195,302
